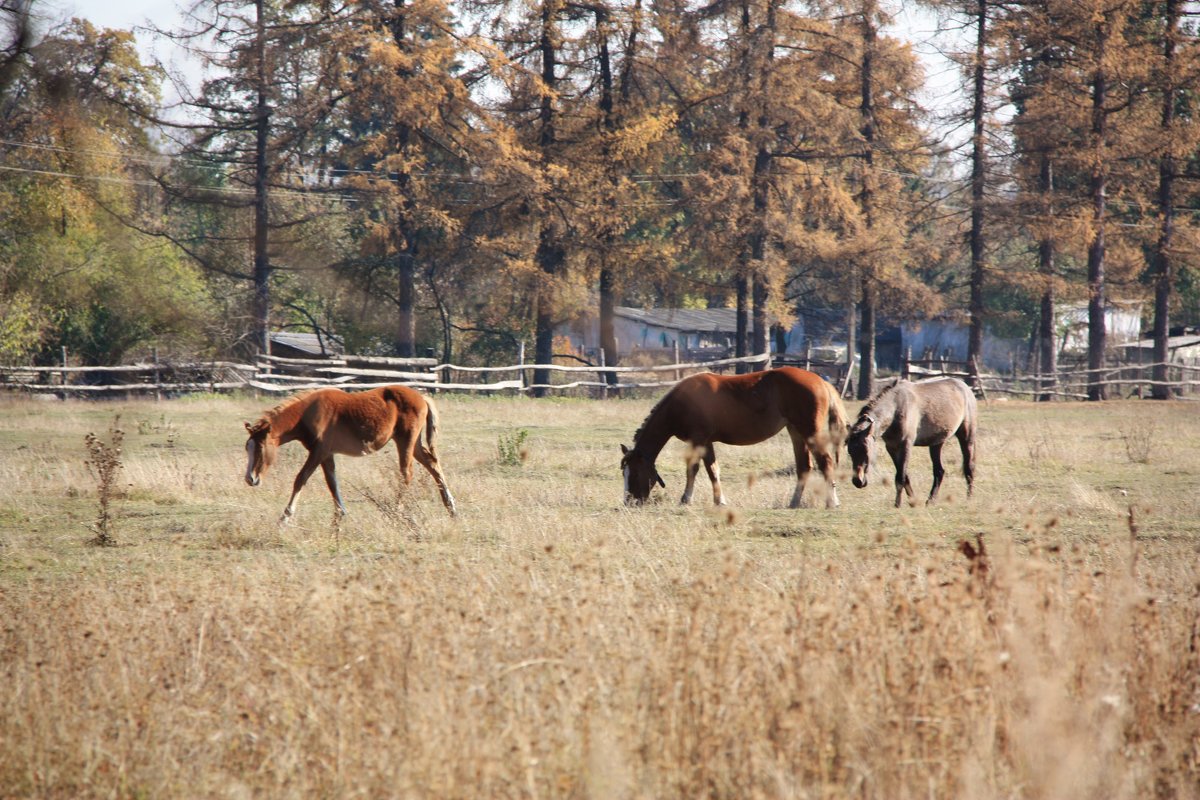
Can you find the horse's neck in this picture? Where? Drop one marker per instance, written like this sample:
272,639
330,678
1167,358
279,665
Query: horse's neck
884,412
285,424
653,435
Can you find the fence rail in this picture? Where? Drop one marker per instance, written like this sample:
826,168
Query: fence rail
273,374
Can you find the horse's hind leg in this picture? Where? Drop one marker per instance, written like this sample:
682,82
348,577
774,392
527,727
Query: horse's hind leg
966,442
428,459
693,467
331,481
714,475
825,462
306,471
800,450
939,472
900,456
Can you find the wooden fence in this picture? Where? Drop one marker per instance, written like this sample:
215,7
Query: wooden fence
272,374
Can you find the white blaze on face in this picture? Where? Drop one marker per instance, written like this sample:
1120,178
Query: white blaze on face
250,452
628,494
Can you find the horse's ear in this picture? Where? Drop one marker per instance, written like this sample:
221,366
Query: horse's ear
249,428
624,450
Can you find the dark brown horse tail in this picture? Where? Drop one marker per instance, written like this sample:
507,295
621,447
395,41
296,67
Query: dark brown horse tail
431,424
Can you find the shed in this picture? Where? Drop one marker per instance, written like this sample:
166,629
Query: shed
695,330
294,344
1181,349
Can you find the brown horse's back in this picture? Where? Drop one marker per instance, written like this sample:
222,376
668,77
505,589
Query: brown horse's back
746,409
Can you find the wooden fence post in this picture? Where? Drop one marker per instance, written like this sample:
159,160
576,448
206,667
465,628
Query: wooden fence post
603,376
157,377
521,363
675,346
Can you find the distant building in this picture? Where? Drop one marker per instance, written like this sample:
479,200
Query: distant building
1122,324
1183,347
947,336
293,344
697,331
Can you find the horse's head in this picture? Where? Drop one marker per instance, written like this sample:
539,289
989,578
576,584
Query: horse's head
260,451
640,476
861,445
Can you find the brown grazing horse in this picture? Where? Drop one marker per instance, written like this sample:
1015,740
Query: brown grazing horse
331,422
922,414
742,410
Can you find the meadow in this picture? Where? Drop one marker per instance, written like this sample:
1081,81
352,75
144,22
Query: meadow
1040,639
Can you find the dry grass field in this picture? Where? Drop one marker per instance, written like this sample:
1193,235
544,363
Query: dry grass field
550,643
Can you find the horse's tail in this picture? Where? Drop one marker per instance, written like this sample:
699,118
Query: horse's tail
839,426
431,425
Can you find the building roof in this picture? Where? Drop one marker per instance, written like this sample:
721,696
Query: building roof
684,320
307,342
1173,342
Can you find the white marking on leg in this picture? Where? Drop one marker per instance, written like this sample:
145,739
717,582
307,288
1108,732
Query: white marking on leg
832,501
798,496
714,473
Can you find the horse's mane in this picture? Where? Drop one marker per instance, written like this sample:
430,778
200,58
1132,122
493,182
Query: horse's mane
642,428
273,414
884,388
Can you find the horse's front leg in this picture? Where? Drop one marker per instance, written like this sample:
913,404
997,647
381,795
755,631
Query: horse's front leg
306,471
935,454
331,481
714,475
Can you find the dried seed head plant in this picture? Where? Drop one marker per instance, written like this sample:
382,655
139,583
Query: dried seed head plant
104,464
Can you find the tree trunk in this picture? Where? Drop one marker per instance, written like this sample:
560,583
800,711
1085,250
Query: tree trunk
1167,171
406,328
550,255
975,336
760,291
608,335
1097,335
402,234
1047,335
866,371
866,355
262,125
743,305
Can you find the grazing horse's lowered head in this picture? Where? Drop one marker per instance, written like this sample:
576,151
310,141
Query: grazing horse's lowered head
260,451
861,446
640,476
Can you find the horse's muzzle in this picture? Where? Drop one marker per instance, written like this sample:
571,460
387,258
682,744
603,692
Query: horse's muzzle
858,482
253,480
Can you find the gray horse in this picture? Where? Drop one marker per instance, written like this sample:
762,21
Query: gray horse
907,415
